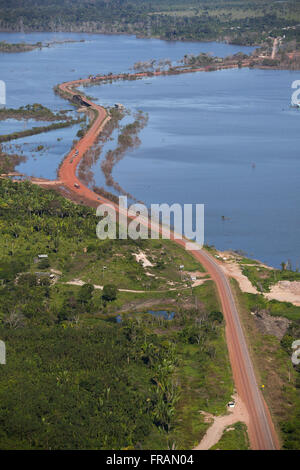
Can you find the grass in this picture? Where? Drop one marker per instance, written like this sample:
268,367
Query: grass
119,266
273,307
221,13
247,261
207,293
203,388
235,437
85,259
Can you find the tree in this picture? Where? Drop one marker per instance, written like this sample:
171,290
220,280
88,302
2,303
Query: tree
216,316
283,266
68,310
85,293
27,280
8,270
14,320
109,292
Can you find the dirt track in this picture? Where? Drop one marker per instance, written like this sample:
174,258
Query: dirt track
219,423
261,430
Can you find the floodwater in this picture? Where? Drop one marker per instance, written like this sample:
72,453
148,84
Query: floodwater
227,139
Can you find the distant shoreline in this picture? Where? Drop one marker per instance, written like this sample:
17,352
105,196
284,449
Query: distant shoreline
12,48
137,36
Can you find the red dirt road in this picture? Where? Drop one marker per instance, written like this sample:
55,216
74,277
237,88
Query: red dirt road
262,434
261,430
67,172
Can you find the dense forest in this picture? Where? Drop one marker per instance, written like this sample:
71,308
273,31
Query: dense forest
240,21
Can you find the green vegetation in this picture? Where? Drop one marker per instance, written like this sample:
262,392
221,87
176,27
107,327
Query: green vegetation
33,111
38,130
26,47
75,388
205,384
235,437
67,234
37,112
109,292
263,278
77,379
204,60
256,303
241,22
20,47
287,54
9,161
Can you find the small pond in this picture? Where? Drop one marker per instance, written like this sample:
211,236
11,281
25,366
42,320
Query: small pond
156,313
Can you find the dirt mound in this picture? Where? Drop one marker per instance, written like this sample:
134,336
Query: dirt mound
269,325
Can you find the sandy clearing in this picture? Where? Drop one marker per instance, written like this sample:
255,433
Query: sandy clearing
189,275
55,271
215,431
78,282
199,282
143,258
234,270
285,291
42,181
195,273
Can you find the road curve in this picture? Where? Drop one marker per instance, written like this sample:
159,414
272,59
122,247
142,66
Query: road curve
261,430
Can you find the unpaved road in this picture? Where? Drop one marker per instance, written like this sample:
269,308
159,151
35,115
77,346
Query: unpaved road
219,423
261,430
79,282
274,48
67,172
262,434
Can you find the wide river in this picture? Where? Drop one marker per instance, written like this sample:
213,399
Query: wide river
228,139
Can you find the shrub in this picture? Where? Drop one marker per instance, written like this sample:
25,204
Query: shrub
216,316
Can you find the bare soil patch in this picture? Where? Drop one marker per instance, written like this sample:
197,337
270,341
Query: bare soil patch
285,291
219,423
269,325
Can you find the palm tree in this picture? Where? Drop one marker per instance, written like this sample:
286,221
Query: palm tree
283,266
